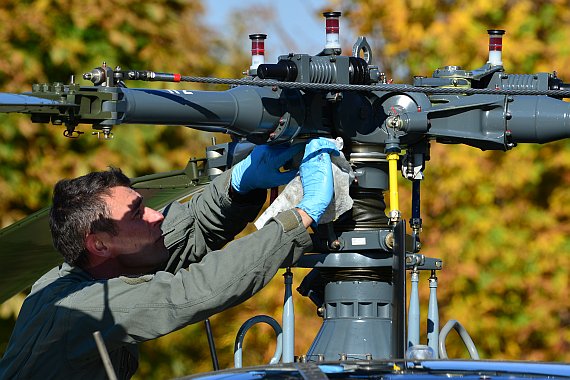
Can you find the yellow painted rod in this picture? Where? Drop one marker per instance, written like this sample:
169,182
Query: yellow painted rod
393,174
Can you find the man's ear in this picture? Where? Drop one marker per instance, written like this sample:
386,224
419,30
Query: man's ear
95,244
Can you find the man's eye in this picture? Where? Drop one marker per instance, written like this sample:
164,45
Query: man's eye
139,213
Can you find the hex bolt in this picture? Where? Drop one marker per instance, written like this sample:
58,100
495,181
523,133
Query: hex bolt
390,240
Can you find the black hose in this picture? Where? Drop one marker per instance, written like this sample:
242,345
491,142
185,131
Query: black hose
212,345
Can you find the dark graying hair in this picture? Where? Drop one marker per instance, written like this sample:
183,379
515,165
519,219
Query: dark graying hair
79,208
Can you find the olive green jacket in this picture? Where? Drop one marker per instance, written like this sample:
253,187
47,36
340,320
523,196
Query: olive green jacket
53,335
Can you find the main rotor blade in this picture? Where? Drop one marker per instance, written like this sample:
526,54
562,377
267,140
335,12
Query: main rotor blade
25,103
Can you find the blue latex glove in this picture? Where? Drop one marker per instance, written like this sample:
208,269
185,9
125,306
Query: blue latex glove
260,170
317,178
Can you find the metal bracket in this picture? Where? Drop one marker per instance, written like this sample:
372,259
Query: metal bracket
362,45
107,135
310,371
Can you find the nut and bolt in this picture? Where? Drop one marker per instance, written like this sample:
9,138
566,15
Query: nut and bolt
335,245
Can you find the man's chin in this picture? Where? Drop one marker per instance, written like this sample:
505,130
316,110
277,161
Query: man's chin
163,251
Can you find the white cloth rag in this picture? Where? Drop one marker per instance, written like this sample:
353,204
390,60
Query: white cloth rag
292,195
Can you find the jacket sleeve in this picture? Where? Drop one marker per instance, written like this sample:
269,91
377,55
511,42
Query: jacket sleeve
207,222
139,309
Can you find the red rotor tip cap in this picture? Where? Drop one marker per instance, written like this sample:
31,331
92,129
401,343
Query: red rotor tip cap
257,50
257,44
332,28
495,39
495,46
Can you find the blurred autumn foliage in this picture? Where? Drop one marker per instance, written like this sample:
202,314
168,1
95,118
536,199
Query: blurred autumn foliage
415,37
47,41
499,221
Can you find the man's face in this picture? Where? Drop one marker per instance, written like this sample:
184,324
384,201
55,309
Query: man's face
139,245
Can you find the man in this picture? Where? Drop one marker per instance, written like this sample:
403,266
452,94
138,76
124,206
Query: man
123,272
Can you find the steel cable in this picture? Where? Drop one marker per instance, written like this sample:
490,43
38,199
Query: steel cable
376,87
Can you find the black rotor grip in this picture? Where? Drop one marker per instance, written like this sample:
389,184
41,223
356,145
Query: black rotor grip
360,72
557,84
285,71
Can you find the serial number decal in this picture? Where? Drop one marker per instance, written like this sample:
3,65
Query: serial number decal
359,241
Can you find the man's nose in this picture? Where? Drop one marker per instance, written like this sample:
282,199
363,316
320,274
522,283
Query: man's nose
154,217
